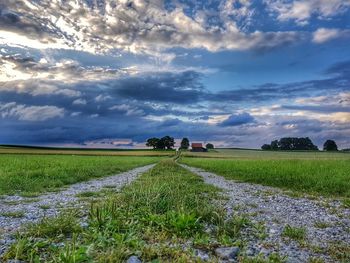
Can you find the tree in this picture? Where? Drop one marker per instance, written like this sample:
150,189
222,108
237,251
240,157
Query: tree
168,142
266,147
153,142
185,143
274,145
209,146
330,145
290,144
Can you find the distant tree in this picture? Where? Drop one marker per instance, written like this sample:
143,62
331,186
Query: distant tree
274,145
266,147
209,146
153,142
330,145
290,144
185,143
167,142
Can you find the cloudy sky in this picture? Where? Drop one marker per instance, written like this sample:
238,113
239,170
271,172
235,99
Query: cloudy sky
111,73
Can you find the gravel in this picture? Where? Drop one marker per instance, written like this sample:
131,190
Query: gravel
275,209
49,205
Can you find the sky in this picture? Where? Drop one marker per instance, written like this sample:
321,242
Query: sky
112,73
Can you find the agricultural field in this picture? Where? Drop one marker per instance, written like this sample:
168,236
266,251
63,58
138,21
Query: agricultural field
267,155
83,151
31,174
222,206
320,173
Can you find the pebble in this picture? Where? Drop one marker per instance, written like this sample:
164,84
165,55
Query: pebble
227,253
134,259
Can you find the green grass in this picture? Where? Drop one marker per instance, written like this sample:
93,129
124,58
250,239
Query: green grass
295,233
326,177
167,205
268,155
18,214
30,175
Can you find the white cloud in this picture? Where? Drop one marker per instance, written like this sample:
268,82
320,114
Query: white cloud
79,102
302,10
127,109
30,113
322,35
136,27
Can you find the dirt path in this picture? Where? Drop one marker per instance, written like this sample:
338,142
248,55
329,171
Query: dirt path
326,222
16,211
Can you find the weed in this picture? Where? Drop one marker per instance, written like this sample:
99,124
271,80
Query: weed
16,214
45,207
88,194
346,203
295,233
273,258
321,225
339,251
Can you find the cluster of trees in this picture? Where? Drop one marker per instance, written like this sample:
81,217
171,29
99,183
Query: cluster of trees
292,143
166,142
185,144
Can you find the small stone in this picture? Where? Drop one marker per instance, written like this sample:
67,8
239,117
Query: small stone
227,252
134,259
202,255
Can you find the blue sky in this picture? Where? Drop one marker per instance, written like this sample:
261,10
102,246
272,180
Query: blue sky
236,73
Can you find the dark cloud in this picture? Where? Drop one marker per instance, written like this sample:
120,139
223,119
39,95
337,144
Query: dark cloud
341,68
237,119
182,88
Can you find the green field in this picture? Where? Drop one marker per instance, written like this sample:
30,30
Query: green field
310,172
37,173
83,151
258,154
165,205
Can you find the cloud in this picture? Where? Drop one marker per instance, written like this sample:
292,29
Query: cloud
182,88
79,102
302,10
322,35
30,113
237,120
137,27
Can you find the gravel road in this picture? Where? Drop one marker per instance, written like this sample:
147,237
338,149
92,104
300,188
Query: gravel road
33,209
326,222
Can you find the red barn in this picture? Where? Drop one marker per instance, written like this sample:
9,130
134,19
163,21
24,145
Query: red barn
197,147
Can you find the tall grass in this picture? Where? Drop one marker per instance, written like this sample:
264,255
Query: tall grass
325,177
38,173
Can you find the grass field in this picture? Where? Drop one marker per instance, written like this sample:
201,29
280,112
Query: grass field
37,173
167,205
314,172
268,155
89,152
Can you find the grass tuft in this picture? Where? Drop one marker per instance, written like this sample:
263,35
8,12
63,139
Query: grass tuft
295,233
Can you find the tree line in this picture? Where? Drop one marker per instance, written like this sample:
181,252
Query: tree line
168,142
294,143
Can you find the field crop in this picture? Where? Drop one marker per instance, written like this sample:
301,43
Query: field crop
30,174
326,177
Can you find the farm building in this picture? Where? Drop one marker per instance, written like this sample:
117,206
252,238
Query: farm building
197,147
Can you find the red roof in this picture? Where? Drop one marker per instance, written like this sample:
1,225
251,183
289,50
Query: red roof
197,145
